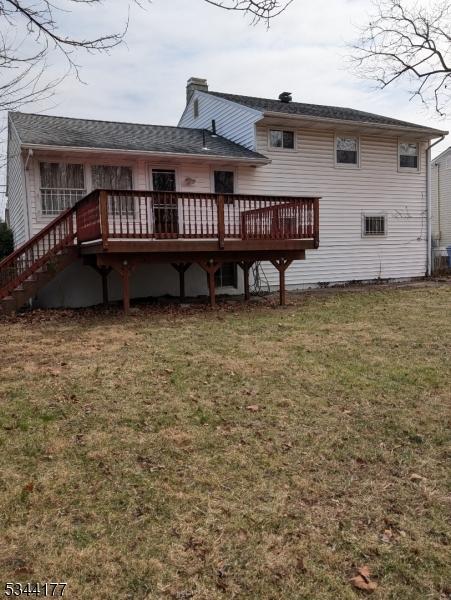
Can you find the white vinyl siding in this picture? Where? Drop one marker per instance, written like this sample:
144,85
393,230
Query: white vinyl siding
376,188
233,121
441,200
16,189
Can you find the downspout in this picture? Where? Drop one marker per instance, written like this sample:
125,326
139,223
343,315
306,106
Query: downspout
439,204
429,205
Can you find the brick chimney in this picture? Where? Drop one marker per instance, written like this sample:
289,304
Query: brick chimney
195,83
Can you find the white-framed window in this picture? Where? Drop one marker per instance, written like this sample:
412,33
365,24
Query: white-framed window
282,139
374,225
196,108
110,177
347,151
408,155
62,185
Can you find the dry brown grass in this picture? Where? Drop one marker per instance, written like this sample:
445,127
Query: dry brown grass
131,467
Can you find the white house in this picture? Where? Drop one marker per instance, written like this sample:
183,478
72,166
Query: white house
335,194
441,206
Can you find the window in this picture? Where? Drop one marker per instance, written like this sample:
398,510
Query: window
408,155
196,108
108,177
163,180
225,184
346,151
374,225
281,139
62,185
226,275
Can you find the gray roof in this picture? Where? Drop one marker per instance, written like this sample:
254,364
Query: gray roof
319,111
85,133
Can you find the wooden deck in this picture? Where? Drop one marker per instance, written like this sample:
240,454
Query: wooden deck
116,229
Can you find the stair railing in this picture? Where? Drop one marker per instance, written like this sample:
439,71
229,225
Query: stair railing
28,258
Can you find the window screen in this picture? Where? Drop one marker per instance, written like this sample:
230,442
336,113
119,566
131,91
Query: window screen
347,150
281,139
408,155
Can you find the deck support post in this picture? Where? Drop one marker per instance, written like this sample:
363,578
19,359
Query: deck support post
181,268
125,273
104,272
282,264
210,267
246,265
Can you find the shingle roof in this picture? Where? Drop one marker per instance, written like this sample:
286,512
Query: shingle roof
84,133
318,110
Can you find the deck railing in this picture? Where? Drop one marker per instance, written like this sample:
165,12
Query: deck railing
113,214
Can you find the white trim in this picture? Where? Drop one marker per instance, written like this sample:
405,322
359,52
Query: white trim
352,166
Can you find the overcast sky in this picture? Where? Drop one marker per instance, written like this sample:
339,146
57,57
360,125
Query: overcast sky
303,52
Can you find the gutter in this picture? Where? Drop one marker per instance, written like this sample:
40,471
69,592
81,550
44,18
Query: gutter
429,205
349,123
150,154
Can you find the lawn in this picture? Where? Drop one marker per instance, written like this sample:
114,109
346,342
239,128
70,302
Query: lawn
251,453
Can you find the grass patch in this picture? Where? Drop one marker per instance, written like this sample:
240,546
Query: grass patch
232,454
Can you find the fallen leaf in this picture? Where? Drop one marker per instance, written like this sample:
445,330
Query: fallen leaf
29,487
253,407
362,580
416,477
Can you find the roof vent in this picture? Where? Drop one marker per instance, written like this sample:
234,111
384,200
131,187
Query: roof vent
285,97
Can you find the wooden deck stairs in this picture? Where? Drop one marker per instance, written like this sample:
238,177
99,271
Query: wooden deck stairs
29,268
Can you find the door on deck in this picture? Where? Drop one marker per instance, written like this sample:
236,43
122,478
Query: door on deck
165,207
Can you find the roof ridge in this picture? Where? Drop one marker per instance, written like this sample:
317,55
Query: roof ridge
19,112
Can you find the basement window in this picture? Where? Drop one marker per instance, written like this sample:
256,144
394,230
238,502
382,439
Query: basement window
279,138
374,226
408,155
226,276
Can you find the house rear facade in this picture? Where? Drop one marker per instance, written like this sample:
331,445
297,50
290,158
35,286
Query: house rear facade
441,203
278,170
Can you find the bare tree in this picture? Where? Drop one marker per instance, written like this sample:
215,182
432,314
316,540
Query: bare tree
30,32
408,42
260,10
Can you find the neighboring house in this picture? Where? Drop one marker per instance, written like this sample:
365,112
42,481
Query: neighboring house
441,206
241,181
